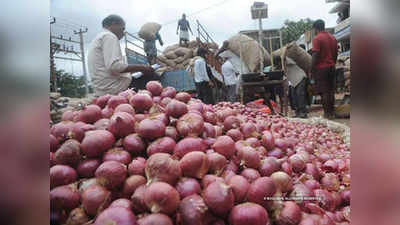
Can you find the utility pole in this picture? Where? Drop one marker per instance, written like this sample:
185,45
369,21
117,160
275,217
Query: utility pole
80,32
53,49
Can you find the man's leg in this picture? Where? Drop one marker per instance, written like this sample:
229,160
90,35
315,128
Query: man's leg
300,92
232,93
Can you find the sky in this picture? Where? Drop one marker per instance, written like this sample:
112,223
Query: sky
221,18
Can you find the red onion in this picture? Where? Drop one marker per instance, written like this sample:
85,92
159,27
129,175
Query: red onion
161,167
240,186
116,215
168,92
95,199
134,144
69,115
69,153
61,130
154,87
156,108
261,126
248,213
287,168
210,117
157,99
281,143
268,166
54,144
161,197
217,163
141,102
102,124
77,216
330,182
268,140
140,117
131,184
114,173
194,164
62,175
219,198
96,142
90,114
314,208
155,219
345,195
312,184
79,129
122,202
208,179
312,170
117,154
223,114
231,122
107,112
196,107
283,181
250,174
249,130
297,163
125,108
52,161
193,210
330,166
249,157
235,134
189,144
324,157
121,124
209,131
171,132
190,124
225,146
183,97
102,100
289,214
136,167
127,93
87,167
276,152
253,142
64,197
165,101
176,108
228,174
161,145
187,186
219,130
260,190
301,191
326,200
151,128
139,206
232,166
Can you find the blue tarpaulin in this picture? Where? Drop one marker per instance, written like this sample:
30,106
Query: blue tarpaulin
181,80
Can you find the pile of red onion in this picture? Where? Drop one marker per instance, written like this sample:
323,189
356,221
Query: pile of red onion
162,157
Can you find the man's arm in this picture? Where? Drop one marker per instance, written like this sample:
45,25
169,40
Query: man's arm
177,28
138,68
315,54
159,39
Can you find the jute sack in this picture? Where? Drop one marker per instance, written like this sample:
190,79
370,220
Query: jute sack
299,55
170,63
179,60
182,51
162,58
250,51
148,30
170,55
171,48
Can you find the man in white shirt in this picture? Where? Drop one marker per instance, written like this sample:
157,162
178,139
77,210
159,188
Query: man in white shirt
109,72
230,80
201,79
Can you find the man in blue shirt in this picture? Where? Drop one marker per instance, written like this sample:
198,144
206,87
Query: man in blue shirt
184,27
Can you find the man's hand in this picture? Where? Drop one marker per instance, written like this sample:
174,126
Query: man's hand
147,70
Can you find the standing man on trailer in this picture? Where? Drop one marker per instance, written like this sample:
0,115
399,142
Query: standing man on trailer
183,28
151,49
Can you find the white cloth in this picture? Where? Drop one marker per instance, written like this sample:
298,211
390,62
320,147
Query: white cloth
229,73
237,64
294,73
184,34
106,63
200,71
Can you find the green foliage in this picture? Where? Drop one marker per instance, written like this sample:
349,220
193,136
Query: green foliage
291,31
69,85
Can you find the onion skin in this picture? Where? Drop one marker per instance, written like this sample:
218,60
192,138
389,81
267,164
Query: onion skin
171,132
268,166
312,184
183,97
141,102
190,125
250,174
97,142
209,131
231,122
168,92
164,102
287,168
151,128
114,173
290,214
122,202
62,175
240,186
121,124
193,211
210,117
155,219
208,179
219,198
189,144
102,100
194,164
77,217
102,124
131,184
139,206
136,167
125,108
61,130
64,197
217,163
90,114
225,146
79,129
107,112
248,213
235,134
260,189
161,145
312,170
154,87
187,186
283,181
134,144
116,215
69,153
249,157
95,199
176,108
69,115
267,140
87,167
297,163
330,182
161,197
161,167
117,154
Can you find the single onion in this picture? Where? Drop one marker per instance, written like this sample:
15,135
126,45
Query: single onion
193,210
96,142
283,181
281,143
189,144
155,219
171,132
168,92
231,122
62,175
122,202
134,144
194,164
268,140
326,201
116,215
161,145
64,197
301,191
345,197
140,117
128,93
114,101
90,114
102,100
151,128
248,213
157,99
139,206
141,102
176,108
131,184
232,166
183,97
209,131
125,108
112,172
210,117
217,163
187,186
162,167
330,182
289,214
253,142
250,174
69,115
69,153
249,157
196,107
161,197
107,112
330,166
121,124
297,163
219,198
61,130
136,167
225,146
240,186
268,166
87,167
79,129
260,190
287,168
235,134
154,87
208,179
228,174
191,125
95,199
249,130
102,124
117,154
165,101
276,152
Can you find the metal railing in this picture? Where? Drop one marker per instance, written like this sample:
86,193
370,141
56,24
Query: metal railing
129,37
202,33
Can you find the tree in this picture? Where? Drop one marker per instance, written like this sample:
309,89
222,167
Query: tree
291,31
69,85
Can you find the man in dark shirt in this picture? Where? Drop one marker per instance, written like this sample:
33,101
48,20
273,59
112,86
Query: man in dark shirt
184,28
324,56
